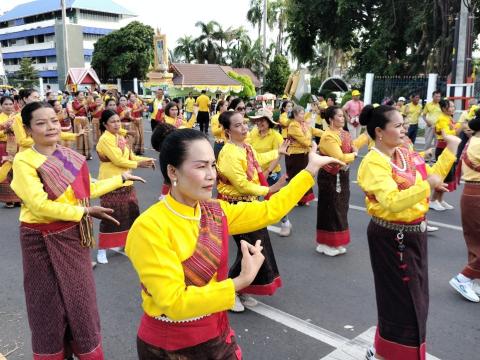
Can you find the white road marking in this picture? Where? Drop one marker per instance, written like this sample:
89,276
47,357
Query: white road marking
346,349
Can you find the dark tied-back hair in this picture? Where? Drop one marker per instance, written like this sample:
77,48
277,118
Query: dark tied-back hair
106,114
234,103
444,104
373,117
330,113
474,124
28,110
284,106
169,106
25,93
219,105
173,145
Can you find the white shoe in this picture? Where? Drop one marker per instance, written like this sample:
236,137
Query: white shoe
327,250
476,286
370,354
285,229
465,289
431,228
446,205
117,249
342,249
102,256
238,306
248,300
435,205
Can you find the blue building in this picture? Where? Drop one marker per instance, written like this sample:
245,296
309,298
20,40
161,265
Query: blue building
35,30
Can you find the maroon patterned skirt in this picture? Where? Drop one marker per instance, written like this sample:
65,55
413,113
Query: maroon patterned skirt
294,164
124,203
59,292
470,210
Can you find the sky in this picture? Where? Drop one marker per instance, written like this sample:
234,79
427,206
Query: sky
178,17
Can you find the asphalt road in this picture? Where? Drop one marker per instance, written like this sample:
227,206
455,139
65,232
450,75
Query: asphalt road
325,302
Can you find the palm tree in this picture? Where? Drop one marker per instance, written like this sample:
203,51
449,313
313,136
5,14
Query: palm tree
185,48
278,16
207,49
254,15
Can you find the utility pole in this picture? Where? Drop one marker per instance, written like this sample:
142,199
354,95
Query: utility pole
65,42
264,42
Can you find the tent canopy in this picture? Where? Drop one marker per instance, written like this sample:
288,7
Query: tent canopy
334,84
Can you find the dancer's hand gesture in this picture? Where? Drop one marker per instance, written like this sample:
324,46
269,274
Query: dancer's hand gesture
252,260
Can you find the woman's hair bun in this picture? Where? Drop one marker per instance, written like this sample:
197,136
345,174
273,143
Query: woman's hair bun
474,124
162,130
366,115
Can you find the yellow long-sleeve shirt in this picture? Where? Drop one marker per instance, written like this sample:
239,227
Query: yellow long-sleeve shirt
217,129
3,119
473,153
432,111
160,240
363,140
184,124
301,141
392,204
330,144
284,121
444,123
232,165
262,144
36,207
24,141
119,161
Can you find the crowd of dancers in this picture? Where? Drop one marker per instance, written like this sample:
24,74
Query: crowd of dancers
179,246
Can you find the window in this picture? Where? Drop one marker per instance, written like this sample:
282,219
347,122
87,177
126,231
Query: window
30,40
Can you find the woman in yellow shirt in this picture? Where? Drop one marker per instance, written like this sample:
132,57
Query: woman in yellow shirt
397,191
265,138
467,282
8,149
444,125
284,120
217,128
117,157
240,178
179,248
56,234
300,134
172,117
333,181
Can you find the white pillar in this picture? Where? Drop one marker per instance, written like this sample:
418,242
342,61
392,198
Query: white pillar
367,96
40,84
135,85
119,85
432,85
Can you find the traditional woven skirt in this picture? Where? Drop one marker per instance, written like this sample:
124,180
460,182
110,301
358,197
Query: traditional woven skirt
139,138
209,338
332,208
268,279
124,203
470,210
7,195
401,289
83,141
59,292
294,164
450,178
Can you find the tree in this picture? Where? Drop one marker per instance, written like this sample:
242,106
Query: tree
185,48
248,87
125,53
390,38
27,76
254,15
277,75
207,49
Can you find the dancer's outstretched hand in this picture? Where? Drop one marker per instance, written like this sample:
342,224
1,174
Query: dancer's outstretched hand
252,260
126,176
101,213
315,162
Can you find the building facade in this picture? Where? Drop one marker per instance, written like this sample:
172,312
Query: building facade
35,30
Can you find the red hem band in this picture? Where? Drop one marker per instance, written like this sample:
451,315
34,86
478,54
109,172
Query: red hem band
268,289
471,273
333,238
394,351
111,240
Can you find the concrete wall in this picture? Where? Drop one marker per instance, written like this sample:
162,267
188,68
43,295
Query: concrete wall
75,49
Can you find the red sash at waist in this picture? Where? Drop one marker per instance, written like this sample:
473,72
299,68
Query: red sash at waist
441,144
50,227
173,336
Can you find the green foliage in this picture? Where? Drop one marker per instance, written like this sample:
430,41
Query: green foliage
277,75
315,83
305,100
346,97
125,53
389,38
248,87
27,76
